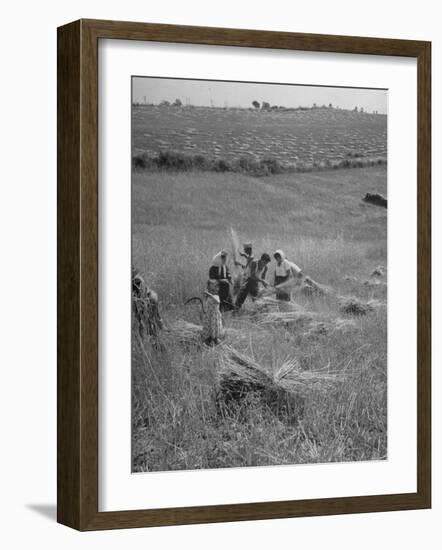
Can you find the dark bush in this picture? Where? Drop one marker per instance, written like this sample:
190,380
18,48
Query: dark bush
272,166
174,160
201,163
221,165
247,164
139,162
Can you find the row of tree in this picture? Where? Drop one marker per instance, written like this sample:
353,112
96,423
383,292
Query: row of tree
265,106
176,103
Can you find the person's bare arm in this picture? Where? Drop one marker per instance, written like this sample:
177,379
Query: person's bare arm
297,273
262,279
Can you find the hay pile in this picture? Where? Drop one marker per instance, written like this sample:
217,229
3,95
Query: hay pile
264,304
185,333
317,329
354,306
268,304
313,324
379,271
288,318
283,390
292,378
146,318
330,326
309,287
241,378
238,374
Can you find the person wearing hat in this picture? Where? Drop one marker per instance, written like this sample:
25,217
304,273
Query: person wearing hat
219,271
257,271
247,255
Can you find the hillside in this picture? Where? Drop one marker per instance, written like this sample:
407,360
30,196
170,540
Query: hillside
314,204
181,220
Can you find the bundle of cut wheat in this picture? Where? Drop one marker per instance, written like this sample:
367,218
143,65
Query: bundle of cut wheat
239,377
185,333
291,377
266,301
354,306
309,287
283,390
238,365
298,317
263,304
316,329
379,271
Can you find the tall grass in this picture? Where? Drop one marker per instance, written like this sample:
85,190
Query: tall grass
177,419
178,424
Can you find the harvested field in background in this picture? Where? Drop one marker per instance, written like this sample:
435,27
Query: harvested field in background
256,142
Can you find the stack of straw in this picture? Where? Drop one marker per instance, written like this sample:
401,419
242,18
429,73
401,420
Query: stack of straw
186,333
291,377
287,318
354,306
286,386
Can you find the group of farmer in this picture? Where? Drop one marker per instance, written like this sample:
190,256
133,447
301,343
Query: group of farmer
254,274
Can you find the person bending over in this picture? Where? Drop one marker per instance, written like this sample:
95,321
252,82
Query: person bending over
256,273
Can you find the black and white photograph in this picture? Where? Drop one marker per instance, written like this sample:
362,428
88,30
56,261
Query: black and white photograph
259,274
220,226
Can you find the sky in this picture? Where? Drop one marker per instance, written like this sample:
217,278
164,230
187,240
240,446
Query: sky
241,94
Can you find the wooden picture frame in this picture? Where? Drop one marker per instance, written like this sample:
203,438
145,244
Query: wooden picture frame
77,224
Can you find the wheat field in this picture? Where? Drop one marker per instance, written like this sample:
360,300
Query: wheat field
287,135
179,222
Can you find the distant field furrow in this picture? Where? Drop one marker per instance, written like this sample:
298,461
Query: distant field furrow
315,135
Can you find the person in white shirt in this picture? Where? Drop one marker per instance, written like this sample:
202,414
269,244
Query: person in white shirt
284,270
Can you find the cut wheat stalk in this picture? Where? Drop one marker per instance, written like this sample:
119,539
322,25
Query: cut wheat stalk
185,332
239,373
297,317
